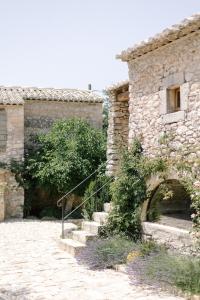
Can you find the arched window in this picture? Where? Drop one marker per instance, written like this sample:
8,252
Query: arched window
3,130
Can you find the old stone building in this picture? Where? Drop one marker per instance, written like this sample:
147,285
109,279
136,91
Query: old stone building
164,97
26,111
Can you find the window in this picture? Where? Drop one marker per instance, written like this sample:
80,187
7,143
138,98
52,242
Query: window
3,130
173,100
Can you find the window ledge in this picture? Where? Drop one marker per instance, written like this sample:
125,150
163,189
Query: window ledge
173,117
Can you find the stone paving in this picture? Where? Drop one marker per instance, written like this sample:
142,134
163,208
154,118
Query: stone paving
33,267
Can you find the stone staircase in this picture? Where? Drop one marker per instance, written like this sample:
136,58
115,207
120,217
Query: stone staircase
76,239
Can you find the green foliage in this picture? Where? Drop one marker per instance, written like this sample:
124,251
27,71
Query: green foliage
59,160
105,119
66,155
94,201
192,186
147,247
105,112
190,174
129,190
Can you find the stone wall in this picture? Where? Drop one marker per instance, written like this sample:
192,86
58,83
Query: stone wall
175,239
15,133
117,126
40,115
11,196
172,134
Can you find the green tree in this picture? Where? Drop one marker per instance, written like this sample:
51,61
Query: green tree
66,155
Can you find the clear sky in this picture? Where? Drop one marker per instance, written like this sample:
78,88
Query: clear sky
70,43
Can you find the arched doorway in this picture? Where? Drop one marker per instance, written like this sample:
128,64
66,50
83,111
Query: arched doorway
169,204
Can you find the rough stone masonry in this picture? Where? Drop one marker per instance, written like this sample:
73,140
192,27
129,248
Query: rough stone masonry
163,105
27,111
167,63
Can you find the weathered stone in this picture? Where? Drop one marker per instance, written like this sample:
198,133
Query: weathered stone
117,125
29,111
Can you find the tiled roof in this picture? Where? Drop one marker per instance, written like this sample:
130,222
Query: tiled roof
117,85
17,95
169,35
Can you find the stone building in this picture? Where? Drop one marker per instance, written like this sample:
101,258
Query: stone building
26,111
164,97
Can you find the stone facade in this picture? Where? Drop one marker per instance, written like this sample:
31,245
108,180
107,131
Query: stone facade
40,115
157,67
176,64
117,124
164,103
14,135
27,111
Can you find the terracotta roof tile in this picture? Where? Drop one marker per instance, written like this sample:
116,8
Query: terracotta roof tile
17,95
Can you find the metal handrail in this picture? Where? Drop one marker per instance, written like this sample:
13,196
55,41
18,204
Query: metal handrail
74,188
65,217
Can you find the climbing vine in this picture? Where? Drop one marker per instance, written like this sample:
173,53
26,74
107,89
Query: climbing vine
129,190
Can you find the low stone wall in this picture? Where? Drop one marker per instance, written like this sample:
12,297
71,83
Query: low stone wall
173,238
11,196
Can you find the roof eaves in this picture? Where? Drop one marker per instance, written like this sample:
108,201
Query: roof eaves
187,26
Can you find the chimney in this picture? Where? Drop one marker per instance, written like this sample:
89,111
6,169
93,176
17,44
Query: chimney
89,87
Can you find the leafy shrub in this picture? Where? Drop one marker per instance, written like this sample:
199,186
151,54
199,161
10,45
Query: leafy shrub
129,190
61,159
66,155
106,253
147,247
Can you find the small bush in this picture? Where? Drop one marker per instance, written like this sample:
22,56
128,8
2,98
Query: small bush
105,253
146,248
130,190
165,270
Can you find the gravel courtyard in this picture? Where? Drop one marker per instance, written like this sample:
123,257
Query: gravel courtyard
33,267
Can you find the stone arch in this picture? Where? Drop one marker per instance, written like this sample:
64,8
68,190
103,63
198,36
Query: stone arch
172,179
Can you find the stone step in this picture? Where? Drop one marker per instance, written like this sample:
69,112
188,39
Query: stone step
69,227
83,236
107,207
91,226
100,217
72,247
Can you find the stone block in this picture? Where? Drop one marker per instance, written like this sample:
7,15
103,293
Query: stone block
163,101
173,80
173,117
184,93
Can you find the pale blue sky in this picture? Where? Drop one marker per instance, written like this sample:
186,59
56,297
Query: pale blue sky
70,43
